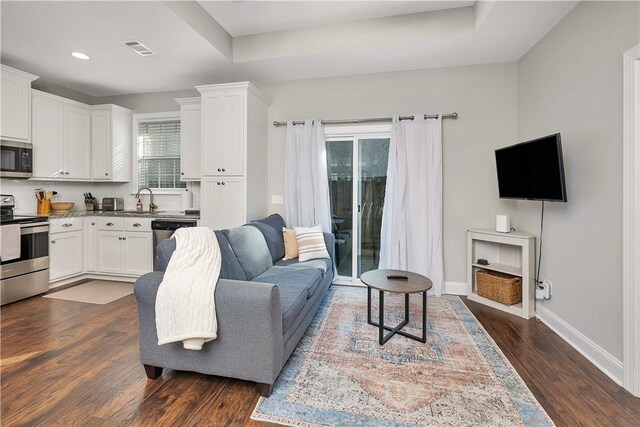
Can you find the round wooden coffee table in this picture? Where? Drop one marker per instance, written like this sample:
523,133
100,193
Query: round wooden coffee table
401,282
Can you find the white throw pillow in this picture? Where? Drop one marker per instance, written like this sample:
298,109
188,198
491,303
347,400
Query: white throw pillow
310,243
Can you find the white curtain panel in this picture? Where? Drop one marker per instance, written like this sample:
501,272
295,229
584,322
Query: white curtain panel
306,185
412,215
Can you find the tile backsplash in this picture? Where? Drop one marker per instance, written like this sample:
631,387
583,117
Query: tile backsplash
23,190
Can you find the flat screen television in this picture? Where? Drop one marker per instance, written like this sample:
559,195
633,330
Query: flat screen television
532,170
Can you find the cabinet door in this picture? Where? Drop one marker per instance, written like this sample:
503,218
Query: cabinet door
16,102
65,255
223,133
138,252
101,145
190,143
110,252
90,235
48,138
222,202
77,137
232,207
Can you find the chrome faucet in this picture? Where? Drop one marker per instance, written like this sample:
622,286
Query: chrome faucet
152,206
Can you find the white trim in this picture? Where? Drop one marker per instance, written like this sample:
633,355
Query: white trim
361,131
602,359
455,288
631,221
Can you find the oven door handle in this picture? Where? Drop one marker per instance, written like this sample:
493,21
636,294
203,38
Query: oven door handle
34,230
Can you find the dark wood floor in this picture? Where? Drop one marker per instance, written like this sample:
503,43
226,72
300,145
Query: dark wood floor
68,363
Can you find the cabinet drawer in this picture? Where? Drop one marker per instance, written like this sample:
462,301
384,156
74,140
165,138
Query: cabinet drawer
137,224
111,224
60,225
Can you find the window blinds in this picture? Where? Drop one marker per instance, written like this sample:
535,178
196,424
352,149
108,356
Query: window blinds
159,154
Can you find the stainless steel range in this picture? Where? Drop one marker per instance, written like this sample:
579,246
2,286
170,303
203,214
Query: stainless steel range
28,274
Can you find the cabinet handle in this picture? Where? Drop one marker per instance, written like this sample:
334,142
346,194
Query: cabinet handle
223,170
93,223
53,241
223,183
106,174
181,173
109,224
119,238
66,224
66,172
61,171
137,224
218,183
124,238
219,170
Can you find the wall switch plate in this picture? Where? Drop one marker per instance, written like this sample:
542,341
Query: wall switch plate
277,199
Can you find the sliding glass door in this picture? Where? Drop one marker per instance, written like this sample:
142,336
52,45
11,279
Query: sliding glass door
357,169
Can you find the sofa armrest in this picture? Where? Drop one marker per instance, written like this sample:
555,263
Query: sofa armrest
330,242
250,339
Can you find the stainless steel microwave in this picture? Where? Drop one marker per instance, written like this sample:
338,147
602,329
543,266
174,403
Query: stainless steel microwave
16,159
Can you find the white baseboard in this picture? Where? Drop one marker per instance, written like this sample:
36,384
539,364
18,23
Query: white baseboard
95,276
602,359
455,288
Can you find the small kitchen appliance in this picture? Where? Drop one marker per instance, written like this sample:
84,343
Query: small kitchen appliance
16,159
112,204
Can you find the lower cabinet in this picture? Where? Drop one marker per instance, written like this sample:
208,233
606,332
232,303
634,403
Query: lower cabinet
100,245
125,252
65,254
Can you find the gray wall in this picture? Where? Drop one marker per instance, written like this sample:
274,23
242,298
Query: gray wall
571,82
485,98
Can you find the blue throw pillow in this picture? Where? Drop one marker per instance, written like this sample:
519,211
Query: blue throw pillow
251,250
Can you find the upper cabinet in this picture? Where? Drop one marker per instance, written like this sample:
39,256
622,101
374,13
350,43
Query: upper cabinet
111,136
74,141
16,104
61,138
189,138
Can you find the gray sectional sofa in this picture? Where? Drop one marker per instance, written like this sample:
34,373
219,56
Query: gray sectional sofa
264,304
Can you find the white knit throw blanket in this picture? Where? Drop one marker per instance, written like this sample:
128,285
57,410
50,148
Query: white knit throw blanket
185,304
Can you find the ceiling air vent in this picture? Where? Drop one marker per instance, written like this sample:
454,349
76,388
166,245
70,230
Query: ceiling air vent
139,48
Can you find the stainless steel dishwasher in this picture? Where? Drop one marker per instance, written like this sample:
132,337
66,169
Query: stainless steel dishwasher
164,229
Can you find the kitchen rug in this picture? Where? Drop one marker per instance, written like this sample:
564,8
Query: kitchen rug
94,292
339,375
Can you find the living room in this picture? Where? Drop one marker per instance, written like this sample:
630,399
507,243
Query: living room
337,78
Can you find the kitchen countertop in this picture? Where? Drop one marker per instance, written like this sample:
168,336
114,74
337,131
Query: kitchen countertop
126,214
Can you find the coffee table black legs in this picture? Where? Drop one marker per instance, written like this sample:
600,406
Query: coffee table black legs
382,338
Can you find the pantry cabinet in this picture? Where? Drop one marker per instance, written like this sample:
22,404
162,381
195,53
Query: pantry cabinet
189,138
111,136
234,149
16,104
65,248
61,138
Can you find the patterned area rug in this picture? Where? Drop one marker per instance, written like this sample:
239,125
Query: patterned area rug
339,375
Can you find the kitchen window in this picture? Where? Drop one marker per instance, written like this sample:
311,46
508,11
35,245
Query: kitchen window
158,152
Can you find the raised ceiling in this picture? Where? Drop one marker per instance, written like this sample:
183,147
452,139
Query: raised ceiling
213,42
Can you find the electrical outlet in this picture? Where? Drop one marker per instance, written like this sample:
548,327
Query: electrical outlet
277,199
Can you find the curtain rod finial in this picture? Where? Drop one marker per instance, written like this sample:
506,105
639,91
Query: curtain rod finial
454,115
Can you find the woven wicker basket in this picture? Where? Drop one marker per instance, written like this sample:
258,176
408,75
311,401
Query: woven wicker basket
500,287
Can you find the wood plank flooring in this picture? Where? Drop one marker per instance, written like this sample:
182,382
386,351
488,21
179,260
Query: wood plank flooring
67,363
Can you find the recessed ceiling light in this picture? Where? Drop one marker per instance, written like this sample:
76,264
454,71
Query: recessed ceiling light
79,55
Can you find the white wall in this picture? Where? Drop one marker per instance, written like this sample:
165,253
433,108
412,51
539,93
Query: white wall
485,98
571,82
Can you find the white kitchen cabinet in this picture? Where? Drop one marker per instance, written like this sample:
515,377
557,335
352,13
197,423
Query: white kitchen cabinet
190,122
224,205
111,139
61,138
110,252
16,104
125,252
65,254
138,253
234,142
77,122
90,242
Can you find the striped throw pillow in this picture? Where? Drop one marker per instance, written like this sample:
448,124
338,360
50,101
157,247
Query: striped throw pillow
310,243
